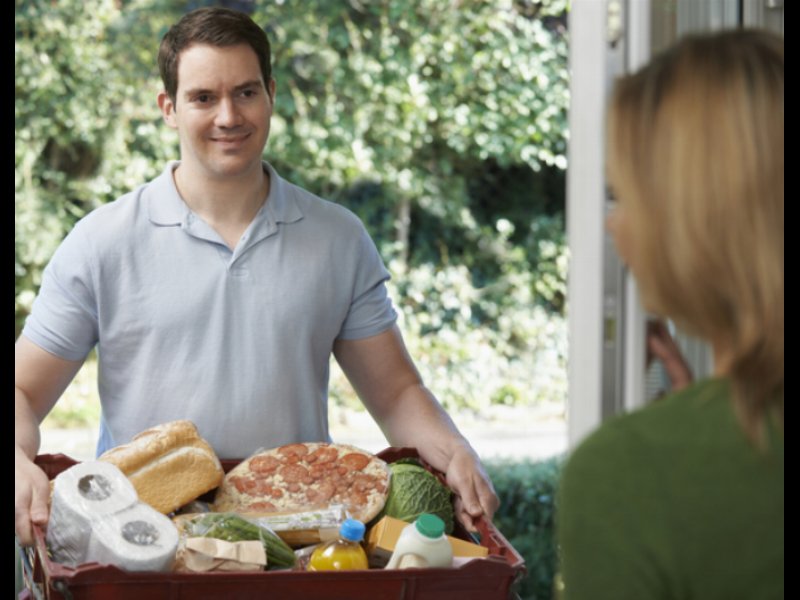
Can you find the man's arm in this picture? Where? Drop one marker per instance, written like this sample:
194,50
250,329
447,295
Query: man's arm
39,380
391,388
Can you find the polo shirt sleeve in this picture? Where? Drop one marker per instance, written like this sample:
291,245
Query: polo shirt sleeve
63,319
371,311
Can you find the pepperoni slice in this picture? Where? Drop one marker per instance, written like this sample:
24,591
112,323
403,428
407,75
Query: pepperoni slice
326,454
296,449
244,484
294,473
264,488
326,490
354,462
262,507
362,483
316,472
264,464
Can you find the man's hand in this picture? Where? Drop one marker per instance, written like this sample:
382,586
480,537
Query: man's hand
475,495
31,495
39,379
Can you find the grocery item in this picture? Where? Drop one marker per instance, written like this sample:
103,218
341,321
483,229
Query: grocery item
306,476
138,538
422,544
415,491
305,528
95,516
342,554
169,465
234,528
81,494
382,539
201,555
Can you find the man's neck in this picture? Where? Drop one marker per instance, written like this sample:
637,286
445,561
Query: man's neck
223,201
229,206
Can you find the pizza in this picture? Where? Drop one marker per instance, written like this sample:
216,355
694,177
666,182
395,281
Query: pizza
306,476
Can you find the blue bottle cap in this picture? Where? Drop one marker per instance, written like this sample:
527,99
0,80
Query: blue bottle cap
352,530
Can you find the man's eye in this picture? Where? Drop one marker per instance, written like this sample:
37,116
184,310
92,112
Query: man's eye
203,98
248,93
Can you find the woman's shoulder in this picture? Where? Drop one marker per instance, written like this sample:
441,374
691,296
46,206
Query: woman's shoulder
638,440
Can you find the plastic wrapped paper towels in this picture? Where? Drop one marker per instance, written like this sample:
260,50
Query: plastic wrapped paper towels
95,516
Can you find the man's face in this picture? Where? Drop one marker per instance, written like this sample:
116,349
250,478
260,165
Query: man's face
221,111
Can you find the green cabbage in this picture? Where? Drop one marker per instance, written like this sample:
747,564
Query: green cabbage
413,491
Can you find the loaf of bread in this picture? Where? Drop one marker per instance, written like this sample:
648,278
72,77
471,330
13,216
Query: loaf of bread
169,465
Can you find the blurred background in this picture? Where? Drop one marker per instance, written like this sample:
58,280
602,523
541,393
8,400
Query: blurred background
441,124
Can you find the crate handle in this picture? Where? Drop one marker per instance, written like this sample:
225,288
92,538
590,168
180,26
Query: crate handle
27,573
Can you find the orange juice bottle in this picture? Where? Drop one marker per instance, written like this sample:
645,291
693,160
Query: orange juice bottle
344,553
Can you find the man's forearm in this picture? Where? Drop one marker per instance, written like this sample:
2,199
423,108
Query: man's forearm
26,426
418,420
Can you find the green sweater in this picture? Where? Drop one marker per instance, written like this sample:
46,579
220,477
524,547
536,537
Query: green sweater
673,502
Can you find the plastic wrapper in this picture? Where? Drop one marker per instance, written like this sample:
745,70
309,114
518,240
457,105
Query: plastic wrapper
306,527
96,517
231,527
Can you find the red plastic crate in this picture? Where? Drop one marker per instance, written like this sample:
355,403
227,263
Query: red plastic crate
488,579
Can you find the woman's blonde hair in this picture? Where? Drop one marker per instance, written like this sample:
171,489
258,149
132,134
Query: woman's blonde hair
695,154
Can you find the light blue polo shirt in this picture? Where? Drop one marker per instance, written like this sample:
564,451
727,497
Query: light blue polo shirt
237,341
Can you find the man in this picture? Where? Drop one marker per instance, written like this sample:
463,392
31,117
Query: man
218,291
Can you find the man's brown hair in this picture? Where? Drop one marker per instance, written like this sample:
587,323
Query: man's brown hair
214,26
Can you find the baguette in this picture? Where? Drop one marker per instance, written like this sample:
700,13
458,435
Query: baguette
169,465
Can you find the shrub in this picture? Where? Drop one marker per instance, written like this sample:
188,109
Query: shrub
526,517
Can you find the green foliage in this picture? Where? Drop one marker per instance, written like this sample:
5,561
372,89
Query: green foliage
526,517
443,129
86,125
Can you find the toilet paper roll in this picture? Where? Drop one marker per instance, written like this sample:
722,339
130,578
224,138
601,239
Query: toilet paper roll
137,539
82,494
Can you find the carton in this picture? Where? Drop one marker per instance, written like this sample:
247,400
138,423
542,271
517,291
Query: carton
382,538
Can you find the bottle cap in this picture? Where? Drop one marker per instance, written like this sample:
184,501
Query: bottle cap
430,525
352,530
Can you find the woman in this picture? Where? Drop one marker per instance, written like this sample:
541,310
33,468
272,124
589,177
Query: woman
684,499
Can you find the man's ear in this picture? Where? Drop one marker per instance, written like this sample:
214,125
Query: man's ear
167,107
271,90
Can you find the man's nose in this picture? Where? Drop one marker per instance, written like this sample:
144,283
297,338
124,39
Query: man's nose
227,113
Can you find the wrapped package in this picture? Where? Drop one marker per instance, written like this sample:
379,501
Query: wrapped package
95,516
138,538
81,495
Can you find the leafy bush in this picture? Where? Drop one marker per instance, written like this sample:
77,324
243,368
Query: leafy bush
444,130
526,518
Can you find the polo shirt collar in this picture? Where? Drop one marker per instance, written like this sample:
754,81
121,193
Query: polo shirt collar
165,207
281,203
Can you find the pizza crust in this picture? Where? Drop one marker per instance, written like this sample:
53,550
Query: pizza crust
307,476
